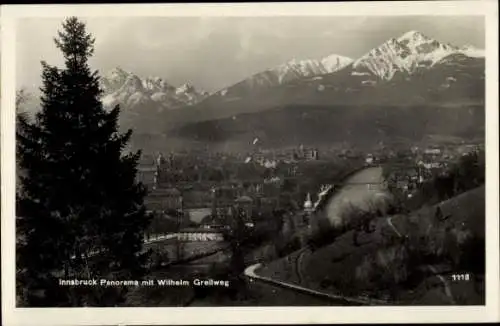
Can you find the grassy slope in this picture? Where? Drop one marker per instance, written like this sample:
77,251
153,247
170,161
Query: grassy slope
342,267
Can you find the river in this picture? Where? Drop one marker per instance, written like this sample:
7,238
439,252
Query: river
361,190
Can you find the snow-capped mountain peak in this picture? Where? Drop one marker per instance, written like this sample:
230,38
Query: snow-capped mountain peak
295,69
156,84
116,73
185,88
289,71
189,95
413,36
335,62
123,87
114,79
407,53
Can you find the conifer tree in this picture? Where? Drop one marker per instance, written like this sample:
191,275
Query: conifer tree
80,212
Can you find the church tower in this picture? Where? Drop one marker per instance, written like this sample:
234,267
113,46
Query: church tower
308,205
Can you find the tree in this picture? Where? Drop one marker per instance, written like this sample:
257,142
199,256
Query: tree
180,248
78,195
236,237
22,97
469,171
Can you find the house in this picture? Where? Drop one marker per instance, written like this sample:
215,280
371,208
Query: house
311,154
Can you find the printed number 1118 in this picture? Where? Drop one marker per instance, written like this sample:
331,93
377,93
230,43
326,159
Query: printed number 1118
460,277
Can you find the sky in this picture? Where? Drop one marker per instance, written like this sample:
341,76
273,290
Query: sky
212,53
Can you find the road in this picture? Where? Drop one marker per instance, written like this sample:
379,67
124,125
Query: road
333,299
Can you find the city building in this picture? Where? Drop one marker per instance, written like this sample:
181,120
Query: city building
244,207
311,154
303,154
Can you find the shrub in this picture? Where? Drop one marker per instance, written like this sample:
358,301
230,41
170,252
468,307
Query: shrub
387,269
293,245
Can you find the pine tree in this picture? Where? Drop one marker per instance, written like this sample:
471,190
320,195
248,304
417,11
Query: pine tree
78,193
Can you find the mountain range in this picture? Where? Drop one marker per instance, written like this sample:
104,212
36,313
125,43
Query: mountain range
153,95
412,70
403,62
409,87
127,89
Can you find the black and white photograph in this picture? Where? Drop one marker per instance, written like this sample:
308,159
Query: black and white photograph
250,160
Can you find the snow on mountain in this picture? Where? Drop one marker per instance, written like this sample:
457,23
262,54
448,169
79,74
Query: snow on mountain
188,94
123,87
186,88
114,79
408,53
288,72
157,84
296,69
334,62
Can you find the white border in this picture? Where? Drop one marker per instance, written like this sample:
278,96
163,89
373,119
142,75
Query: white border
246,315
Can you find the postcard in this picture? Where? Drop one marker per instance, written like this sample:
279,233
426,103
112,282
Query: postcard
250,163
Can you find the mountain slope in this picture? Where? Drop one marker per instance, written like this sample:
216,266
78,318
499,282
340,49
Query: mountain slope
316,125
127,89
282,74
412,69
408,53
143,100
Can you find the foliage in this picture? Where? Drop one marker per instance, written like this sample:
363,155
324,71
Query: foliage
465,174
22,96
161,225
78,193
455,245
293,245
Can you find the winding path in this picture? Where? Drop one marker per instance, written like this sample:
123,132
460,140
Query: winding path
298,264
250,272
389,221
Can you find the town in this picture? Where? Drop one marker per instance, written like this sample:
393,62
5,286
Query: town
197,196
